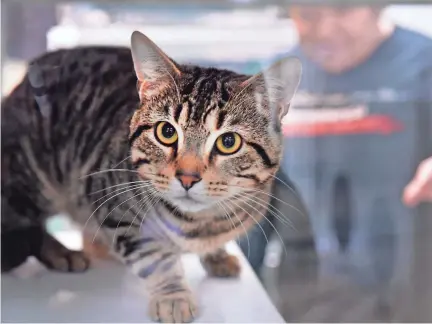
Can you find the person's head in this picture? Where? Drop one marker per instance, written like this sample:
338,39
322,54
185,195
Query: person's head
338,38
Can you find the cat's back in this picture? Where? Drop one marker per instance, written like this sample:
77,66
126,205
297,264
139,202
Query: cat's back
72,82
80,62
93,57
79,105
70,67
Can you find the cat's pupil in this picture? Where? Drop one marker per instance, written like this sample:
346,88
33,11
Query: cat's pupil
168,131
228,140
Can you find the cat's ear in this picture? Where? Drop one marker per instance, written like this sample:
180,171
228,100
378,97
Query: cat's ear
153,68
277,85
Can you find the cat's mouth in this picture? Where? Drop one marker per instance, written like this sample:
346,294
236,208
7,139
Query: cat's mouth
188,199
188,203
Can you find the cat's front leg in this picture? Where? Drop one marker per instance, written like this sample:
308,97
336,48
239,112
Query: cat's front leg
221,264
171,299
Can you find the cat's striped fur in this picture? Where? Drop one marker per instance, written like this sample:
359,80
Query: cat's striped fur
89,136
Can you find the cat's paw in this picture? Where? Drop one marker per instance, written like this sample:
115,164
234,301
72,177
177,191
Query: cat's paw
176,308
68,261
221,265
56,257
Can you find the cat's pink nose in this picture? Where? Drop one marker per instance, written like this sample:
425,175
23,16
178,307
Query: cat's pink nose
188,179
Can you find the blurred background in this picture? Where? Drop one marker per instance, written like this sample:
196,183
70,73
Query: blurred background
354,138
238,34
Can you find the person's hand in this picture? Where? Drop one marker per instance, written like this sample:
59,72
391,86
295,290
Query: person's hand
420,188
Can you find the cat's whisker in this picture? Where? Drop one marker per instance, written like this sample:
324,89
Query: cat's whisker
271,224
251,190
259,225
241,223
85,224
144,173
286,185
281,217
152,204
277,214
118,224
278,217
107,215
115,166
228,217
175,209
107,170
129,188
149,199
144,202
126,184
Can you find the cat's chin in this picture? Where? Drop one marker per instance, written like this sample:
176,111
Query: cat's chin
189,205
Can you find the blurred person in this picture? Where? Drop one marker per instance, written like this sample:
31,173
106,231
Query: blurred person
352,132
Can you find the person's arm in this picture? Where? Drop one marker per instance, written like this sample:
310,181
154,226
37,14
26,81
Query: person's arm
420,188
427,88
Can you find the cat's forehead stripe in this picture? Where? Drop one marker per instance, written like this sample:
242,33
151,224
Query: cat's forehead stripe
177,111
205,90
221,119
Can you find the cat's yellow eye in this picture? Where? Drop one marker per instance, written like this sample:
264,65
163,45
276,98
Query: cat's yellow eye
228,143
166,133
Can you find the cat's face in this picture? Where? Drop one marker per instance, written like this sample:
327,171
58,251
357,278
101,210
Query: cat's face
206,137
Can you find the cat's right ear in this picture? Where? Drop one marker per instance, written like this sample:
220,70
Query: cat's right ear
278,84
153,68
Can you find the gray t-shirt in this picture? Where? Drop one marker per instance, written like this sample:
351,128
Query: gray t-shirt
364,122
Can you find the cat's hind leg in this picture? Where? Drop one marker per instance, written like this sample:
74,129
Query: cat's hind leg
17,245
20,243
57,257
221,264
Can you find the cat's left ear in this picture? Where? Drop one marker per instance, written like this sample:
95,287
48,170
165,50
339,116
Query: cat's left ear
277,85
153,68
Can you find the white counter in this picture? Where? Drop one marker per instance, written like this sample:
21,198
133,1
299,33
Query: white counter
108,293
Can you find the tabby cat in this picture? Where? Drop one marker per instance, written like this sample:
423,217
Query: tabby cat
169,159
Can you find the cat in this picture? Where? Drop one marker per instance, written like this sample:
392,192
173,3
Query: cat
154,157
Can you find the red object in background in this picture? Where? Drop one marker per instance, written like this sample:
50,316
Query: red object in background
374,124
